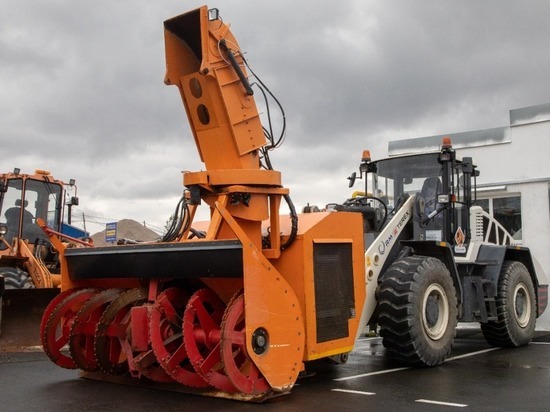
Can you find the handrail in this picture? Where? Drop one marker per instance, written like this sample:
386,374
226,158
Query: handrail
496,232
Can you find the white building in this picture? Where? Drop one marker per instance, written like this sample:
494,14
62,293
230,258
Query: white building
514,181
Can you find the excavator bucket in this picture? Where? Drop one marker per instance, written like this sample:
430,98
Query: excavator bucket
22,310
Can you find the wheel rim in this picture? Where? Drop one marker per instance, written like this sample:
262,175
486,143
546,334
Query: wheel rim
49,310
112,330
522,305
240,369
165,331
435,311
143,362
57,328
201,334
83,329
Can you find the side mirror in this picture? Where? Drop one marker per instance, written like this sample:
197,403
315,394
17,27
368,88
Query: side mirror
352,179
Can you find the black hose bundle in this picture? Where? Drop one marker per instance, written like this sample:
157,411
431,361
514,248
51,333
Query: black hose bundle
179,223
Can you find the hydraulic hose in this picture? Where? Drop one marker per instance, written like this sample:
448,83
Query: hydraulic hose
237,68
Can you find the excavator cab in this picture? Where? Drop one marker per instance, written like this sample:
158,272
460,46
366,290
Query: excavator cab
24,199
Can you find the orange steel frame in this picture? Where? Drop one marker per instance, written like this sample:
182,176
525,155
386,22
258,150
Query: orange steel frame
279,294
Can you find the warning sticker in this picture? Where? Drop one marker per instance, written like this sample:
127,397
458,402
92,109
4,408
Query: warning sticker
459,241
459,237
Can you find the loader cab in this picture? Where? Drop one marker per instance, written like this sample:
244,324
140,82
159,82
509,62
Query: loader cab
23,198
440,184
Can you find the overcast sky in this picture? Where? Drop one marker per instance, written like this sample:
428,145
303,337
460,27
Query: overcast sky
82,92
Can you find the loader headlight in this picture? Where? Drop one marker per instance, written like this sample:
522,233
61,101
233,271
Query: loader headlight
443,199
3,230
213,14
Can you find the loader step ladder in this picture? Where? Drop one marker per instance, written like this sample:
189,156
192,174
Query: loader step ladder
490,302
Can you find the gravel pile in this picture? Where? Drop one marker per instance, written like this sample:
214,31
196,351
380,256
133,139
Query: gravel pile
127,229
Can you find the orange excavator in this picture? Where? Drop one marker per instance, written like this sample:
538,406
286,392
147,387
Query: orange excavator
29,266
235,310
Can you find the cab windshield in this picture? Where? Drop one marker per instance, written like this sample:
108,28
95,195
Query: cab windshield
25,200
396,177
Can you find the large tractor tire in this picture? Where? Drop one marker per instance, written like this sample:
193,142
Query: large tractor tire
516,305
16,278
417,310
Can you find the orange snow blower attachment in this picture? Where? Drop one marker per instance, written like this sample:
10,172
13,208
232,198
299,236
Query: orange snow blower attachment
233,311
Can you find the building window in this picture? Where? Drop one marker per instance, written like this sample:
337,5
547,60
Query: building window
507,211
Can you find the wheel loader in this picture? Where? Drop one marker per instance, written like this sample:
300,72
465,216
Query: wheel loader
234,308
28,263
435,258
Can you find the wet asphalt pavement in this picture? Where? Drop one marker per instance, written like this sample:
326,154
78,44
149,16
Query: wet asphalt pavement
475,377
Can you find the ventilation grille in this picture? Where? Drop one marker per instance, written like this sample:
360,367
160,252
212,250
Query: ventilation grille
334,299
477,224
